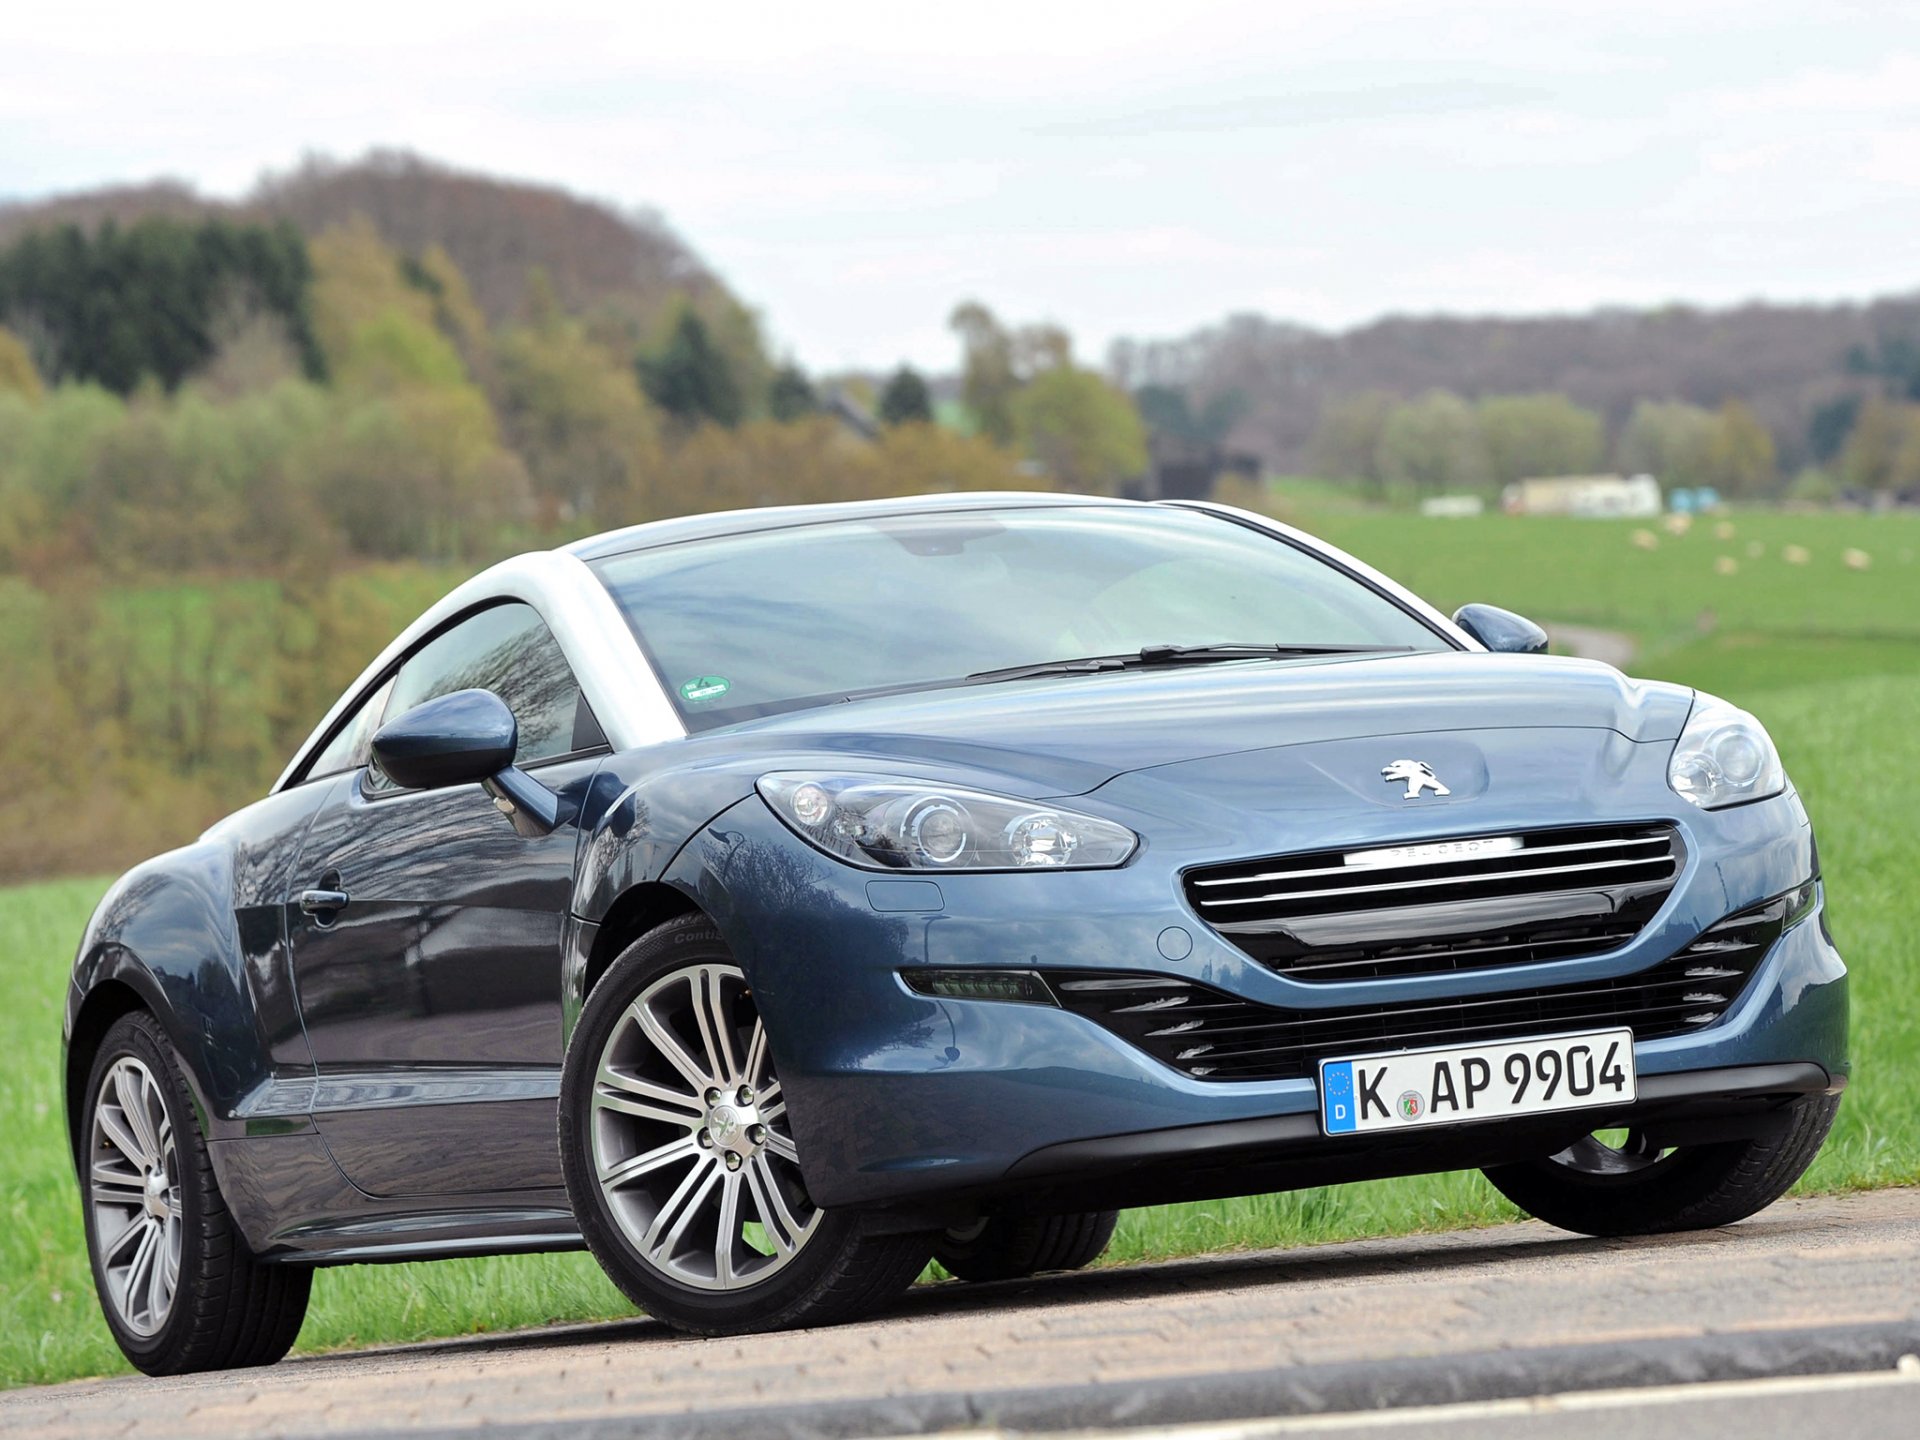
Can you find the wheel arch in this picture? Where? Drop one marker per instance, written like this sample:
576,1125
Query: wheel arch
104,1004
635,911
167,939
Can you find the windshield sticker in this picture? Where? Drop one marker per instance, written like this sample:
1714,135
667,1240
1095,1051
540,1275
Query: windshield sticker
705,688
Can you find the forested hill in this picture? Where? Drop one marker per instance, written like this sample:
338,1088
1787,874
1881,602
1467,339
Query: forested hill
496,231
1789,364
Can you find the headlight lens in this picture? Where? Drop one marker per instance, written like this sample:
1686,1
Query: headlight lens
1724,757
917,825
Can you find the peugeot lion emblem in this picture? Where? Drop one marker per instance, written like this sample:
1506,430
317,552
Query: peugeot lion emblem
1418,775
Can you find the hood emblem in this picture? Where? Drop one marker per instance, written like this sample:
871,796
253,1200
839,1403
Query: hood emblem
1418,776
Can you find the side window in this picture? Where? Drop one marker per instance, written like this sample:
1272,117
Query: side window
348,748
509,650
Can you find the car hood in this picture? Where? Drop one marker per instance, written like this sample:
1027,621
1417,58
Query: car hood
1070,735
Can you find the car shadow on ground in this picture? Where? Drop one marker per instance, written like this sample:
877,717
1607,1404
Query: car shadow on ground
1402,1258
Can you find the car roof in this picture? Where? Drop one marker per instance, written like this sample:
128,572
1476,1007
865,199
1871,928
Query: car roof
780,517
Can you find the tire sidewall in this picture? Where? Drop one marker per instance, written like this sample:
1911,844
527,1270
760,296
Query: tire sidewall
689,940
139,1036
1700,1187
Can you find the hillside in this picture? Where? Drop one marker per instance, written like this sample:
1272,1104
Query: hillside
496,230
1784,361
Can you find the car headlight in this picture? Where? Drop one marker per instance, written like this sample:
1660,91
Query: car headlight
917,825
1724,757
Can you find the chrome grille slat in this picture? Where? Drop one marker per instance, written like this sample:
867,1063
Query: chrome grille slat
1317,919
1396,888
1470,860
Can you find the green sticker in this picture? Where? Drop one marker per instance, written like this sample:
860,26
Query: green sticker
704,688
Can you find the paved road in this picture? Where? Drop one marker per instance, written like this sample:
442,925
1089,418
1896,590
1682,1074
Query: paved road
1810,1285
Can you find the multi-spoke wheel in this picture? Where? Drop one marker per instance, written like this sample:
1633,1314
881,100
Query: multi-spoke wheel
177,1284
1628,1183
691,1147
134,1188
680,1157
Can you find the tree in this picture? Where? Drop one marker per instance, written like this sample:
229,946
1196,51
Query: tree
905,398
1168,410
1740,457
1669,440
989,379
1346,441
17,375
1539,435
1883,451
368,317
575,415
1085,432
791,394
117,306
689,377
1893,359
1829,426
1433,444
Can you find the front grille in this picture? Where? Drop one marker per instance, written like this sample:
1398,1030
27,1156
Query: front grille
1211,1035
1555,895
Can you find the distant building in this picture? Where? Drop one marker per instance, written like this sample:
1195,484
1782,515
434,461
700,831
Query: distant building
1452,507
1588,496
1180,469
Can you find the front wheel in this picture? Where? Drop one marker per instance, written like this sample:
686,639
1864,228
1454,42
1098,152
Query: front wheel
680,1158
1627,1184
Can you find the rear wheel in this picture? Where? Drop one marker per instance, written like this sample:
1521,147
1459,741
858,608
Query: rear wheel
178,1286
680,1158
1625,1183
1010,1246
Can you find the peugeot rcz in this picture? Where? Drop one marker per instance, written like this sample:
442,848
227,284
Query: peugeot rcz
772,902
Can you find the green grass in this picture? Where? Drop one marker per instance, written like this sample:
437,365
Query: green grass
1828,657
1592,571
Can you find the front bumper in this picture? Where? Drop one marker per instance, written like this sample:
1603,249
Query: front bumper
899,1098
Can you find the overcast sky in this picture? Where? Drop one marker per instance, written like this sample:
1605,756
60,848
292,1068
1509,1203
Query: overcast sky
854,169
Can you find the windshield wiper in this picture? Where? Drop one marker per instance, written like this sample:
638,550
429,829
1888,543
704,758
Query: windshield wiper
1153,657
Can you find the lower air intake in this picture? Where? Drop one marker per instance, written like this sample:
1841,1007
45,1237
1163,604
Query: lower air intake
1211,1035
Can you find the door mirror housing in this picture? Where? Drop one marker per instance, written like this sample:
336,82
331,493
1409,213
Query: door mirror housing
457,739
1501,631
465,738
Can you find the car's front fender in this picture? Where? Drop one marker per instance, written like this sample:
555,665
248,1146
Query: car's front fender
170,934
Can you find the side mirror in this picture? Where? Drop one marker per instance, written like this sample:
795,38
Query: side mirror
465,738
1500,630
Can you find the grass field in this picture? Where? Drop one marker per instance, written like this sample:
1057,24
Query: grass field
1828,656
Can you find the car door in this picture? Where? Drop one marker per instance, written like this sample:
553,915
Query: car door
425,935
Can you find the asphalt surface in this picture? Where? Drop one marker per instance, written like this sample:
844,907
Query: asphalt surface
1317,1336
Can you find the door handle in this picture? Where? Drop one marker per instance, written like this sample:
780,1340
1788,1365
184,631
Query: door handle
323,902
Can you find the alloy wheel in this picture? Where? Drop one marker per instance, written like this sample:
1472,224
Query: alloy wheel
690,1139
134,1192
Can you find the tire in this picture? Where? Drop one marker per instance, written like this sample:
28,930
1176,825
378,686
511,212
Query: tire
149,1191
1011,1246
1593,1188
648,1153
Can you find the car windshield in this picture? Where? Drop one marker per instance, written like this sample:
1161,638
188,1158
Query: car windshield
748,625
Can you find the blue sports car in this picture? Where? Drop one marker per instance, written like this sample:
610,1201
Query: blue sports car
774,901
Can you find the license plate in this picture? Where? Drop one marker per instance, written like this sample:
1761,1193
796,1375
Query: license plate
1476,1082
